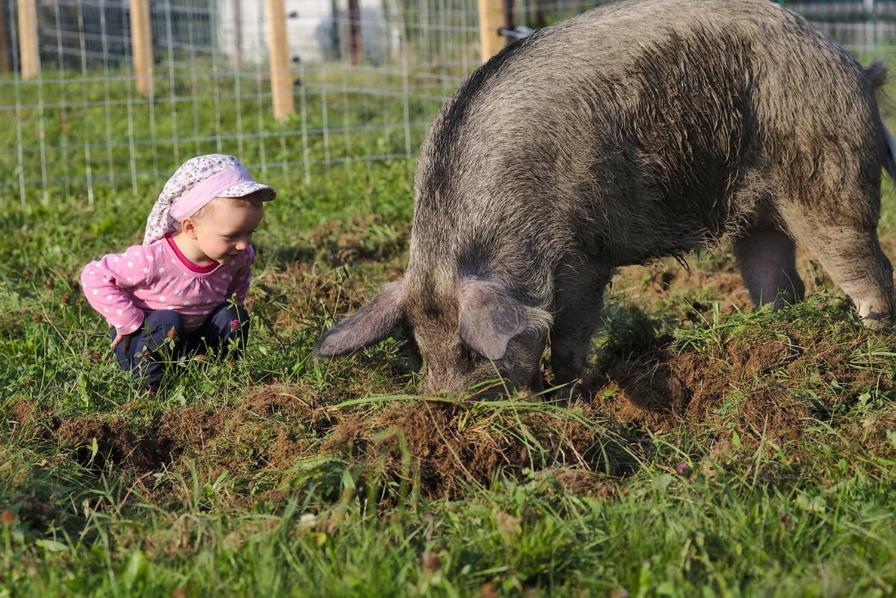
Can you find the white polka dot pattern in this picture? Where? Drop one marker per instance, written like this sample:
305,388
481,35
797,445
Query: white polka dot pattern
161,280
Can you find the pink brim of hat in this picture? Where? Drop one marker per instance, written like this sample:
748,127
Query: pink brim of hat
233,181
245,188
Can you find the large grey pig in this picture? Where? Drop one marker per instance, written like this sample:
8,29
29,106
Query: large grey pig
641,129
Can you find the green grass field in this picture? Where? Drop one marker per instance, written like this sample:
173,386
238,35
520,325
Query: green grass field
717,450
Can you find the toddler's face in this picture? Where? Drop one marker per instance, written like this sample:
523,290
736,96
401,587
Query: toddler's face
225,229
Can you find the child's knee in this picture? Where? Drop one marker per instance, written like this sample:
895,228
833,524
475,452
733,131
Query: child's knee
167,320
231,318
241,317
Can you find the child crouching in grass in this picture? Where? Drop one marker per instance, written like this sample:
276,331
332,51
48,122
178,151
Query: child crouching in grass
181,283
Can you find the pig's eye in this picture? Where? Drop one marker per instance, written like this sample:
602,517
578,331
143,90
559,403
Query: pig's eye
411,349
467,359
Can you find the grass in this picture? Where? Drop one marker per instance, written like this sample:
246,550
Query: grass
717,449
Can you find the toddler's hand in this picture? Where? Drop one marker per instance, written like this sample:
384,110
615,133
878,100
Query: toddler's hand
119,337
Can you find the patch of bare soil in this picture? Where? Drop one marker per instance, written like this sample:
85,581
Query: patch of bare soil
193,431
448,448
22,413
98,441
666,389
443,446
750,382
191,428
26,420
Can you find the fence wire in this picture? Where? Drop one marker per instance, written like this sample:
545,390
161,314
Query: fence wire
368,76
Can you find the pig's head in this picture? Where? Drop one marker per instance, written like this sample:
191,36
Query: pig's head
466,334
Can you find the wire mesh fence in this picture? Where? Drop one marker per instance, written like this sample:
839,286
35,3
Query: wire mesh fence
365,79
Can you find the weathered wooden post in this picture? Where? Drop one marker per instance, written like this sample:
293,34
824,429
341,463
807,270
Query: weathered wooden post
355,45
29,60
538,13
491,19
5,62
141,44
281,79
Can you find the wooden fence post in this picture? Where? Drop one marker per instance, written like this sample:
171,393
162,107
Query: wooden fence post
141,45
491,18
29,60
5,62
281,78
355,48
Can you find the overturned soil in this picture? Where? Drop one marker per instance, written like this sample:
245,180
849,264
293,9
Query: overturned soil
449,446
444,447
664,389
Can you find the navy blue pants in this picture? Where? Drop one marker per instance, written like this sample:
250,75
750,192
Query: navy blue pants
145,352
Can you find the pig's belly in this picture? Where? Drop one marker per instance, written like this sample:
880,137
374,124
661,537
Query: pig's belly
628,244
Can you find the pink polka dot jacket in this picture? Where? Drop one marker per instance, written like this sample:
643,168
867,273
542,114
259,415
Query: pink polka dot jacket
122,287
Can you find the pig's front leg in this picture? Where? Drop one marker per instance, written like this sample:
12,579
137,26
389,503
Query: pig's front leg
579,298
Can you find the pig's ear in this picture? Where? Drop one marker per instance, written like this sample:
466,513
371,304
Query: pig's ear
490,317
371,324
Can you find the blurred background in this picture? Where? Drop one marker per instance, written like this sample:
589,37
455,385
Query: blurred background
111,95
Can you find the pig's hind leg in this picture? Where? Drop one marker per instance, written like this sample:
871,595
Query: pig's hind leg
766,256
850,253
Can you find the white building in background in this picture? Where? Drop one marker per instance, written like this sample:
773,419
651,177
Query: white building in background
317,30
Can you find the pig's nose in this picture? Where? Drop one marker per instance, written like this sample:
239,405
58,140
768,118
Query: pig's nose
429,385
433,383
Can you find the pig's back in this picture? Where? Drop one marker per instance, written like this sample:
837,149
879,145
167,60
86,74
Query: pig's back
639,122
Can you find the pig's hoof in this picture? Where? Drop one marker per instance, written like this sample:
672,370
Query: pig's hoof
570,389
879,324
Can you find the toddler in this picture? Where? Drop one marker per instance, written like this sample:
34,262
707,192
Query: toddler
181,283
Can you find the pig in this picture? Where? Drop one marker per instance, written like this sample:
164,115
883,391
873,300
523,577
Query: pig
640,129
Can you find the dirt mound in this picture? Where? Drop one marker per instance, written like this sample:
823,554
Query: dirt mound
750,381
271,427
449,445
28,420
99,442
192,427
663,389
23,413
